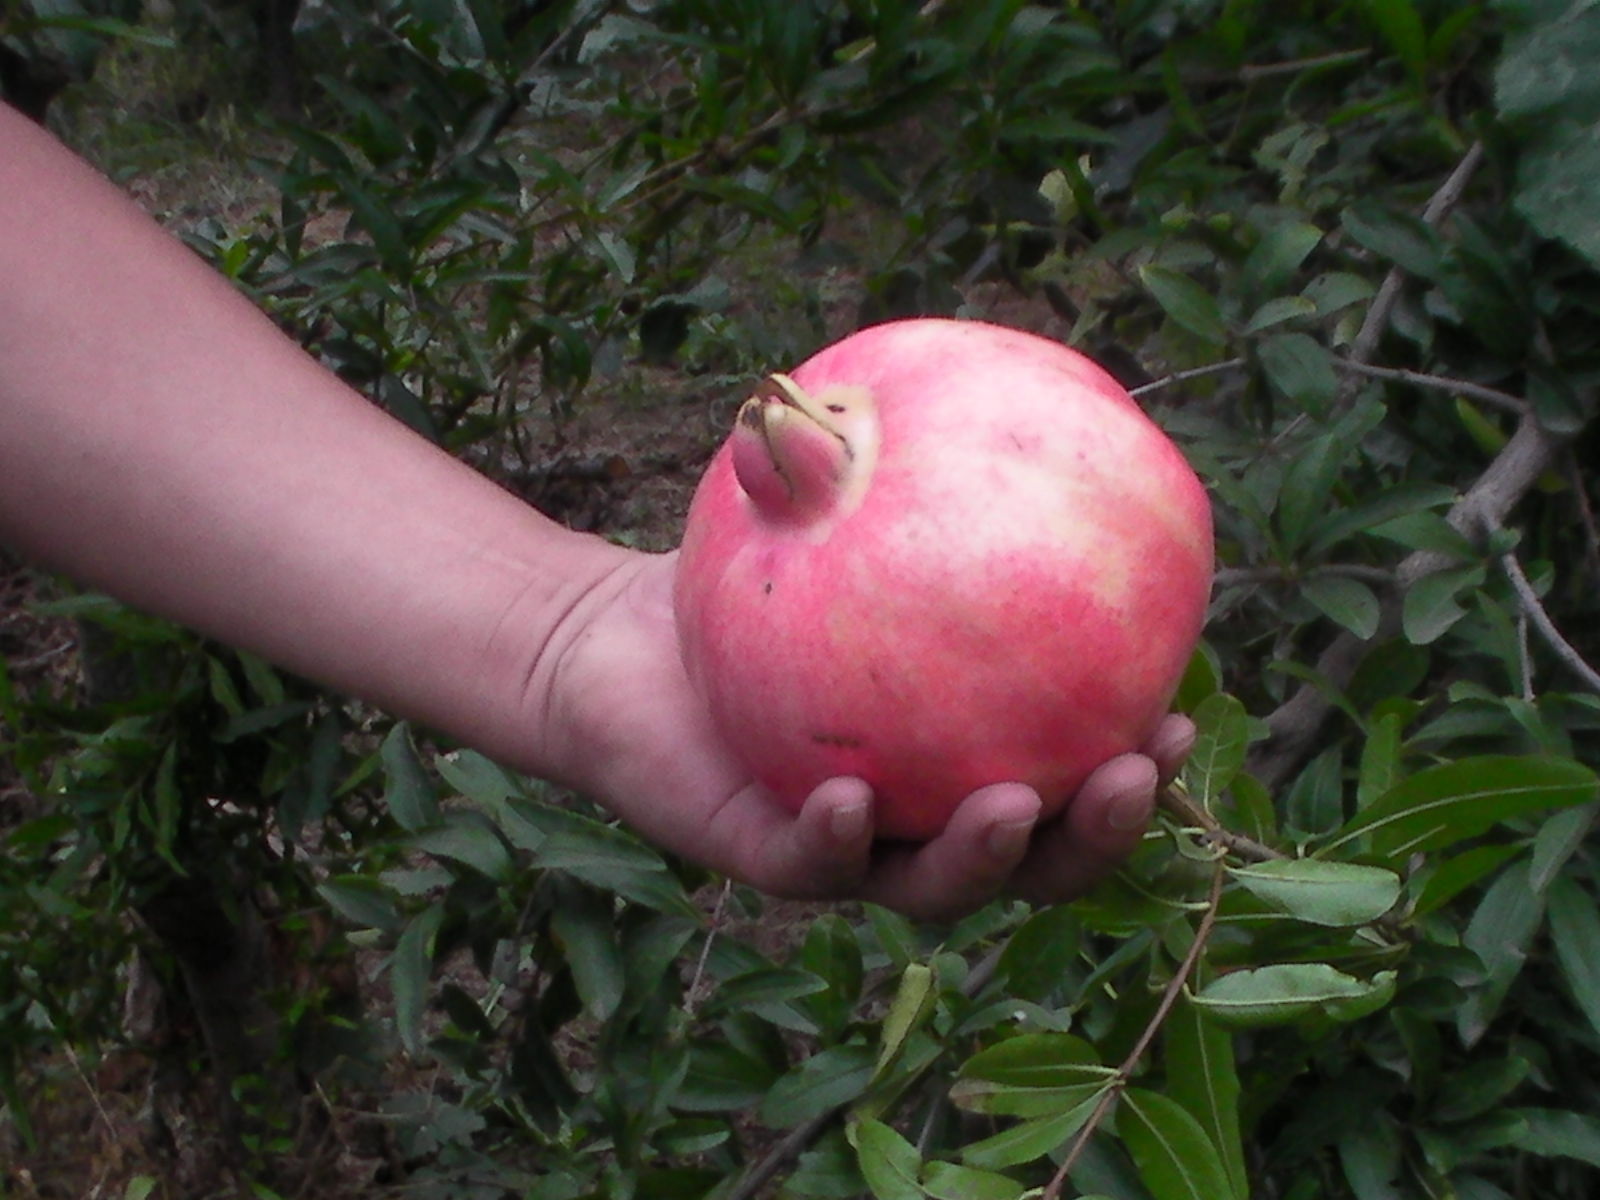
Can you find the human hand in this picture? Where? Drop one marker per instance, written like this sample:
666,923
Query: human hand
623,723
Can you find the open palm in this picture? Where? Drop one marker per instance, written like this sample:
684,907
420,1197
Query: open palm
637,738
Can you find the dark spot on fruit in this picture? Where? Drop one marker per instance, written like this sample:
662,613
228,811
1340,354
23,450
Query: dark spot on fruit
836,408
844,741
766,588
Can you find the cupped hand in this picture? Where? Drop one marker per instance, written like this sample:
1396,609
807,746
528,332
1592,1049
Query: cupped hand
624,725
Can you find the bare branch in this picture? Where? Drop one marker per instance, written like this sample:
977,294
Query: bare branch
1180,979
1536,613
1191,373
1501,400
1296,723
1438,207
1176,804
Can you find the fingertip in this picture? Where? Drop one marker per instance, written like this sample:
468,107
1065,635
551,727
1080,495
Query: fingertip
1116,804
1171,745
841,806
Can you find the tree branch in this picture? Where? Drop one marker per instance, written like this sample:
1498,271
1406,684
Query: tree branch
1438,207
1296,723
1501,400
1180,979
1536,613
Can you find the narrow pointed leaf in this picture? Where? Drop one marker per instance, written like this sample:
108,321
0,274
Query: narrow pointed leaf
1203,1077
1174,1157
1446,804
1322,893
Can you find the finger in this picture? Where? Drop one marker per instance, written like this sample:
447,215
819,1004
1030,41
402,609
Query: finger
824,851
967,865
1100,828
1170,745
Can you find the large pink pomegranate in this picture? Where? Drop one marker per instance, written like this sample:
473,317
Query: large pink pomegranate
941,554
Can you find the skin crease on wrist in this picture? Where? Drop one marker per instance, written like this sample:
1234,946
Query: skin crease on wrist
161,439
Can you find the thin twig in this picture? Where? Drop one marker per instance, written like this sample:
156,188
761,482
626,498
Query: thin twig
1152,1027
1580,493
1294,724
1535,612
1438,207
1501,400
1175,803
1181,376
691,1001
1251,73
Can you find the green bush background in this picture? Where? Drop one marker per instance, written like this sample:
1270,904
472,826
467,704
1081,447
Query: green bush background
1345,252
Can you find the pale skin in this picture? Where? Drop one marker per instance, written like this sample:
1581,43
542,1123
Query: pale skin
160,439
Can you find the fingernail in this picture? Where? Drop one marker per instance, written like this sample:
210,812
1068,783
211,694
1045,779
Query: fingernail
1131,810
1007,839
848,821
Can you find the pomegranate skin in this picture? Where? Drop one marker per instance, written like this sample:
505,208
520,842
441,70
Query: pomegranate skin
988,565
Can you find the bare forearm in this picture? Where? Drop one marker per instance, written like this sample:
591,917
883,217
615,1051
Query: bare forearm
159,438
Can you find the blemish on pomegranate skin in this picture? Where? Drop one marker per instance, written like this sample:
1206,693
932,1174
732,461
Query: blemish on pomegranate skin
843,741
766,588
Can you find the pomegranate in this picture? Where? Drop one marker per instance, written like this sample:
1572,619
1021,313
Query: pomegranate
941,554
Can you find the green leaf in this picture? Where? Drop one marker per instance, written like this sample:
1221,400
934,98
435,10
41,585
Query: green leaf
890,1164
1560,836
826,1080
1032,1139
466,840
1222,739
1553,1133
1037,1060
1371,1158
1558,186
1203,1078
1432,604
1174,1157
1276,312
1006,1100
1500,933
1273,261
1286,992
897,937
1403,239
1322,893
407,791
1547,68
410,971
583,925
912,1005
1575,933
1038,958
1336,290
1442,882
1402,28
723,1078
951,1181
363,901
1187,303
1300,368
1481,1087
1380,759
1448,803
1347,601
831,953
765,986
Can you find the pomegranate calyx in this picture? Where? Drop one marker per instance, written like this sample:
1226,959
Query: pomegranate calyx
790,457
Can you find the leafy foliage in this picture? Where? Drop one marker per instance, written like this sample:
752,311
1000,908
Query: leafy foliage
1355,957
